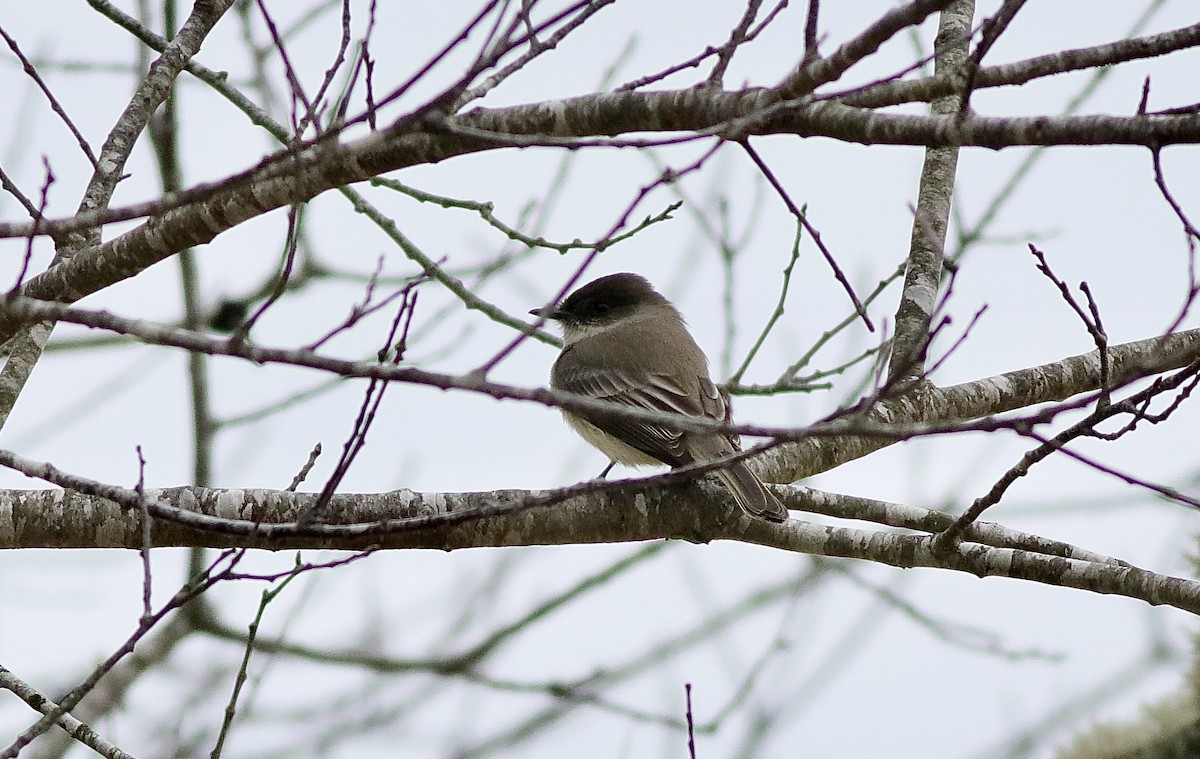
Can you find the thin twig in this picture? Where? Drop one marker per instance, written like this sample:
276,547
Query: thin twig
304,470
691,724
737,37
147,537
267,597
802,219
777,314
811,29
55,106
991,29
669,176
207,579
38,215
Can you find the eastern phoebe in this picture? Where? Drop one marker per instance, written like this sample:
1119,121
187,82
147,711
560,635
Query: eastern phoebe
625,343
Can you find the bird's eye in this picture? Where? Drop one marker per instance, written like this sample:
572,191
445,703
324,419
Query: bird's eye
601,307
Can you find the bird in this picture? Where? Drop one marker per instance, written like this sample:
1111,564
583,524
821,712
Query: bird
623,342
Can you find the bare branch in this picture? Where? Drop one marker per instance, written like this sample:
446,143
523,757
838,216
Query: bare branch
927,245
618,515
824,70
76,729
32,73
802,219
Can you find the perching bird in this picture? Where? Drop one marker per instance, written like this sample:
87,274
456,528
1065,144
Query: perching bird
624,342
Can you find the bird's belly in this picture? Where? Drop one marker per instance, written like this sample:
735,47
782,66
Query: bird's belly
614,449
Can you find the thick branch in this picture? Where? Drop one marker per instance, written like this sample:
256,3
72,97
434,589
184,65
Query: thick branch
151,92
923,272
213,209
698,513
1020,72
815,73
995,395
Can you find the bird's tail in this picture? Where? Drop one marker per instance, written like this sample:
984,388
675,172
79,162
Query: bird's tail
751,494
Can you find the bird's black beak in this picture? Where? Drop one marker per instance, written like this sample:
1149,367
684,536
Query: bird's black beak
545,313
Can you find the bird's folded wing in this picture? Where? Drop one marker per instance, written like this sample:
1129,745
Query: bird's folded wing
652,392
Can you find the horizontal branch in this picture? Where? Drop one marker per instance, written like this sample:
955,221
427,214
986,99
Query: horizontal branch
924,410
286,179
1020,72
620,512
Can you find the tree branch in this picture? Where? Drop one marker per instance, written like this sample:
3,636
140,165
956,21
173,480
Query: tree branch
207,210
702,513
923,272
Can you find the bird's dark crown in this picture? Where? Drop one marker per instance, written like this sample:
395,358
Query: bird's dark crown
606,299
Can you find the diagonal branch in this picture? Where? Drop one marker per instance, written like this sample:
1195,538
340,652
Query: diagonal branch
923,273
1055,381
823,70
73,727
151,93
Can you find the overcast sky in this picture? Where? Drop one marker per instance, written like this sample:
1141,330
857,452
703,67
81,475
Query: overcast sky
858,677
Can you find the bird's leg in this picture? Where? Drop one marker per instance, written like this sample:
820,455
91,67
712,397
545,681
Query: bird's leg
607,469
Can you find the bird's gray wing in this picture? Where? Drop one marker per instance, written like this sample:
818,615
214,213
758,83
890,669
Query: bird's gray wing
649,391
